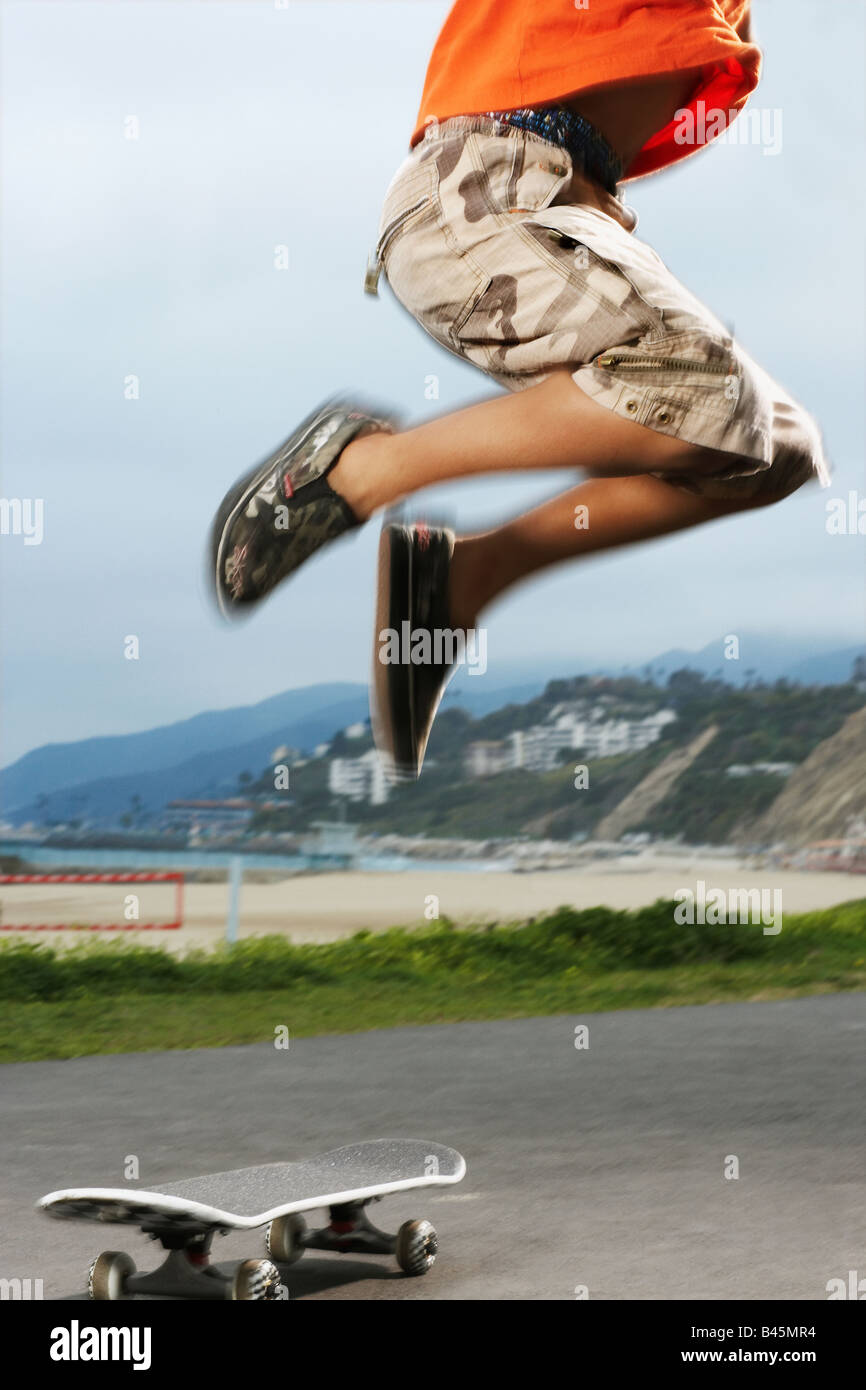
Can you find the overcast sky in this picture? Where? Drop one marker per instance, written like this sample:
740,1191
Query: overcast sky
153,257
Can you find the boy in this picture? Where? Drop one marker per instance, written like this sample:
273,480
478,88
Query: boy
503,233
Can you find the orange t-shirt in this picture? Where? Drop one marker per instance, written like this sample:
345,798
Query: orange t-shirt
497,55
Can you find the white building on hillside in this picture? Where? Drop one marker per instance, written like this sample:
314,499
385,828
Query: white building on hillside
540,748
486,757
359,779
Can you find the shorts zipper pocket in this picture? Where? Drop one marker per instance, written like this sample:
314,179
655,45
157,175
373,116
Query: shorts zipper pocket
392,230
639,362
374,261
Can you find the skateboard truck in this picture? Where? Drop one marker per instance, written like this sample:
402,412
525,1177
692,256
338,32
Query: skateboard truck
350,1231
186,1271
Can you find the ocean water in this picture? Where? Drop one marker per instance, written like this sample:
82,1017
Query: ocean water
172,861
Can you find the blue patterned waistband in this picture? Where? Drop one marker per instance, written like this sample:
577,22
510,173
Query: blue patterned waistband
586,145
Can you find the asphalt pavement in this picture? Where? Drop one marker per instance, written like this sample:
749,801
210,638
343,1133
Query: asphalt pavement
595,1171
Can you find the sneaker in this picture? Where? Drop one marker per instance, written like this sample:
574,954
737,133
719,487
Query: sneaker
284,510
412,600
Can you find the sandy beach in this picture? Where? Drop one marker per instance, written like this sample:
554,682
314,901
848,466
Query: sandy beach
324,907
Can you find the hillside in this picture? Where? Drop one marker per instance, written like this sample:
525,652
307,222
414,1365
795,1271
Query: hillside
95,760
679,786
213,771
713,764
97,779
825,794
637,807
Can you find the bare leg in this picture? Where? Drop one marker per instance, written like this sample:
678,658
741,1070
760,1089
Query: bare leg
552,425
619,511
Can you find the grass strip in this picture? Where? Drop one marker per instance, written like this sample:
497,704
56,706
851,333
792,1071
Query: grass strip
119,997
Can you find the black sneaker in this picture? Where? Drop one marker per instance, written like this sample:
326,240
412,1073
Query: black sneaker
284,510
411,609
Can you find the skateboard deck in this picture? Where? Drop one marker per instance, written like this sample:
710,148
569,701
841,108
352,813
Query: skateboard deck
186,1215
248,1197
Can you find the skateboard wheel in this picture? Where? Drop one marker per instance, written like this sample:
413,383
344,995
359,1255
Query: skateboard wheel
255,1280
416,1246
108,1275
283,1238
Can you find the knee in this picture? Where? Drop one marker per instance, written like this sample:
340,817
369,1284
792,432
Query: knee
679,455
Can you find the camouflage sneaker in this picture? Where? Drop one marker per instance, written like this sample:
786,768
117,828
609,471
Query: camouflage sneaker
284,510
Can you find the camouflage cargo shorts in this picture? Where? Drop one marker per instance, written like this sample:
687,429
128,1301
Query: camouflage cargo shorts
480,242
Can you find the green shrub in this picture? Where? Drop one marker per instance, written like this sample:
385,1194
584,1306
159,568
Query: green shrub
596,939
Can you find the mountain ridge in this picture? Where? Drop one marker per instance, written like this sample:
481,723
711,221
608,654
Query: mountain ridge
95,776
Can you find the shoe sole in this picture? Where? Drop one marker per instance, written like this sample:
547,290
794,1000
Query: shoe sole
392,713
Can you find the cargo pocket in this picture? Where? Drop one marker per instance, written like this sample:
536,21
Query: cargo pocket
668,378
609,272
437,281
514,172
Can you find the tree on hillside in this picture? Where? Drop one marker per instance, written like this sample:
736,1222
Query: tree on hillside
685,682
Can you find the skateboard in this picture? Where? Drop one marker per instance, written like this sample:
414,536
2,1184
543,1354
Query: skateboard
185,1216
